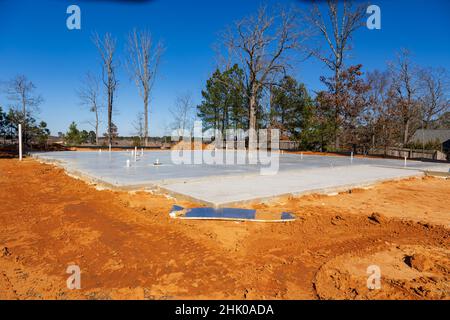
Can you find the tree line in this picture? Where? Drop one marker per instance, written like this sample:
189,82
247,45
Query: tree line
253,89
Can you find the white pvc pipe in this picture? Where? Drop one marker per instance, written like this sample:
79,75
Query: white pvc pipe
405,160
142,152
128,163
351,157
110,147
301,156
20,142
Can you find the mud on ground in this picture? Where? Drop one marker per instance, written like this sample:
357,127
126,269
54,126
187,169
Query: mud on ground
127,246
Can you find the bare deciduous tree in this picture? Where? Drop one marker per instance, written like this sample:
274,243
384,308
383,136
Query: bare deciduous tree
143,62
435,98
138,125
261,43
89,95
378,85
107,48
183,114
26,102
382,118
404,92
21,90
337,30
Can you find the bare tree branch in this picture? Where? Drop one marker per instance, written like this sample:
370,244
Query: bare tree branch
143,62
182,114
21,90
107,48
435,99
337,30
89,95
404,91
261,44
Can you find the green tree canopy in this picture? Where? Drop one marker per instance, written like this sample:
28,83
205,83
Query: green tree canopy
224,100
291,109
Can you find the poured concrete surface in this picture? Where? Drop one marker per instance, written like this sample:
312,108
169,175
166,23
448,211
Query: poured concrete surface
224,184
229,190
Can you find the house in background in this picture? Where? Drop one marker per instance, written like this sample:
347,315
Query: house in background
428,136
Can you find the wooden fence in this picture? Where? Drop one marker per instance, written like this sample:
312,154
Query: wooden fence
410,153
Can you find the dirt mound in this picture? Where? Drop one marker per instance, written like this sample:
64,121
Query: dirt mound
184,145
407,272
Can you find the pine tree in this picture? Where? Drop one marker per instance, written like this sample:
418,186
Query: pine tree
224,103
291,109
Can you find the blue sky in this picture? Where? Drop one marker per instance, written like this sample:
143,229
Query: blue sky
34,41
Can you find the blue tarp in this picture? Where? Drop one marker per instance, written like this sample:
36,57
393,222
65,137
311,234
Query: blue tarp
224,213
229,213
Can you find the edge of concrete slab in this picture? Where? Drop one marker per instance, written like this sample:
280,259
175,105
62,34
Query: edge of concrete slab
131,187
321,191
76,174
154,186
437,174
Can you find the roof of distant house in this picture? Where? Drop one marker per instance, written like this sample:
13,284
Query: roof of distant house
431,135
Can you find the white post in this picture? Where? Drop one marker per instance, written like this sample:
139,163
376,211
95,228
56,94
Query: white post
135,154
110,147
351,157
405,160
142,152
301,156
128,163
20,142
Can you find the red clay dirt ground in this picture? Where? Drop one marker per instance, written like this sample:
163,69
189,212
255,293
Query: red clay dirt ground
128,248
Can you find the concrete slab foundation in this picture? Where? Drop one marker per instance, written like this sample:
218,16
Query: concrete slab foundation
225,184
